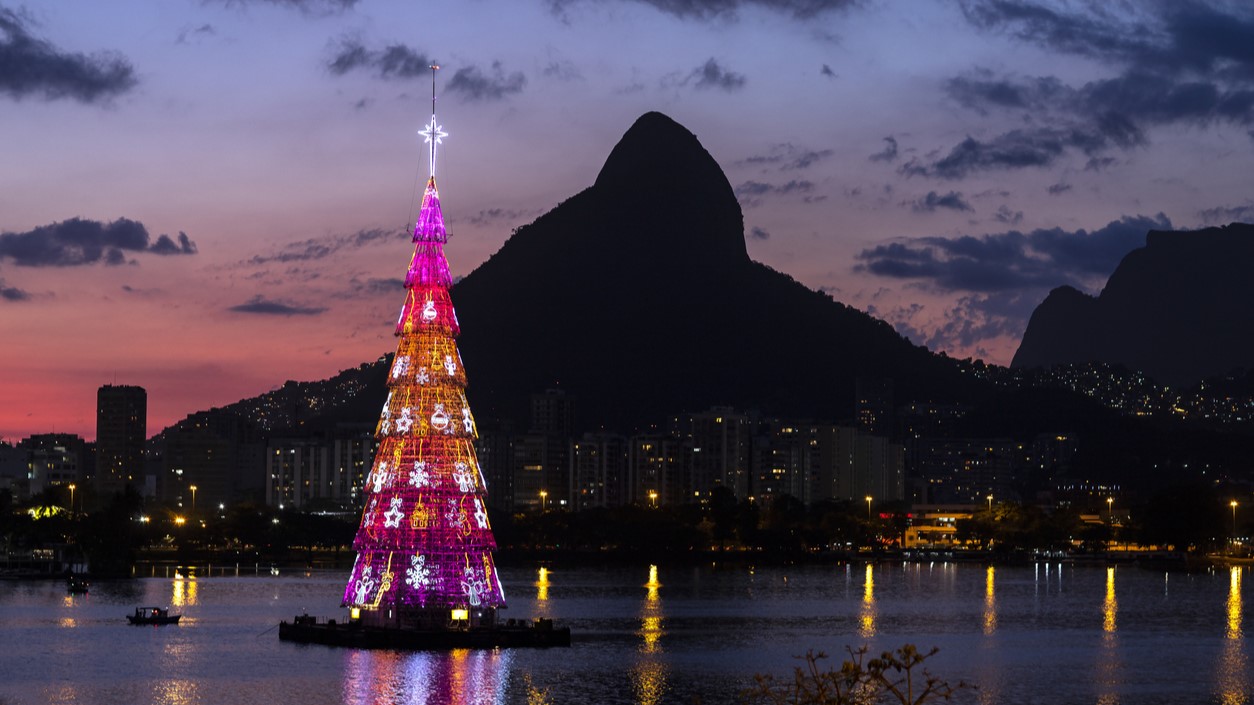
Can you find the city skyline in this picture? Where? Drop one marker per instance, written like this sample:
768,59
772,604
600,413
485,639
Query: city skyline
203,196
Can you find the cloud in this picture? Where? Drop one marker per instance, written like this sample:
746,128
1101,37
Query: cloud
977,318
1171,38
319,248
750,192
1099,163
827,71
563,70
165,246
31,66
489,216
1170,63
400,62
1012,260
712,74
787,156
1030,147
12,293
929,203
1007,216
1119,108
724,9
308,7
1058,189
759,233
1174,63
474,83
1222,215
1001,277
393,62
261,306
189,34
888,154
376,286
77,241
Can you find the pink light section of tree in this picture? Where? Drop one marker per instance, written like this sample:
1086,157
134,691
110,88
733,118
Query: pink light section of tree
424,540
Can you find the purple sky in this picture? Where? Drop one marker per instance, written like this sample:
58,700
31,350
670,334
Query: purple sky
207,197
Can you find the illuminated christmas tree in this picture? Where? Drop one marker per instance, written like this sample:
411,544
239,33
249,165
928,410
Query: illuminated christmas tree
424,546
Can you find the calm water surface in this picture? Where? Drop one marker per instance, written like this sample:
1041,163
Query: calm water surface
1036,634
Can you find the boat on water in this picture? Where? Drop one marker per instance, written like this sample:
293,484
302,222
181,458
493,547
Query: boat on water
77,585
152,615
510,634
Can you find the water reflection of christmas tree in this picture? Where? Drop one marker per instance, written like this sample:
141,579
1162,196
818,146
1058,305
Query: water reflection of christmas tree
424,546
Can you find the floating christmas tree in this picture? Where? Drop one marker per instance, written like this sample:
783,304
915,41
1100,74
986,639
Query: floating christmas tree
424,546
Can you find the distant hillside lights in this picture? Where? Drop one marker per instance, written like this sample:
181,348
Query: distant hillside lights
742,455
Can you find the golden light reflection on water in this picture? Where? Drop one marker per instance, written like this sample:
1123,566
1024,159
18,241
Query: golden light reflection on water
1233,677
990,601
866,621
457,677
648,676
542,585
176,692
1110,608
184,592
651,628
649,680
1109,667
67,622
1234,603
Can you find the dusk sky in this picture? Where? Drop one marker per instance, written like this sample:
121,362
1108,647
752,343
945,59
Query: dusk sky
209,197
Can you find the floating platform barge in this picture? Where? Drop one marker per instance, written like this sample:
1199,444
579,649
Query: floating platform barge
510,634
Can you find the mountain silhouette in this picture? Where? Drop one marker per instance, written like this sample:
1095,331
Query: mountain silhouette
638,297
1180,309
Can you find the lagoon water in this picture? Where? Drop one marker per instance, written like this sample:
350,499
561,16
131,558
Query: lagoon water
1047,633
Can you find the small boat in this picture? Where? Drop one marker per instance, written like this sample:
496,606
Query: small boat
153,615
76,585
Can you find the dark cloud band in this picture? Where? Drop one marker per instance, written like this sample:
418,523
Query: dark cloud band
308,7
77,242
933,201
12,293
712,74
30,66
399,62
1040,259
1187,63
722,9
319,248
474,83
261,306
393,62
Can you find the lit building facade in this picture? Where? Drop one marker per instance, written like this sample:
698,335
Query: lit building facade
121,425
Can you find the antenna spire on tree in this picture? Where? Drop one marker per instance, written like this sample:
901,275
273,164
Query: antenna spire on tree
433,133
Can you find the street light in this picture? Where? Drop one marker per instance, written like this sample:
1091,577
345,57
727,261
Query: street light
73,486
544,497
990,503
193,489
1110,509
868,507
653,498
1232,504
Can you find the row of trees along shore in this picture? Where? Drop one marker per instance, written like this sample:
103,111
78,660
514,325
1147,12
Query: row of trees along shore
1194,518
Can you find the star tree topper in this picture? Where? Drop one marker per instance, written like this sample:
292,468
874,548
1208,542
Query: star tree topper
433,134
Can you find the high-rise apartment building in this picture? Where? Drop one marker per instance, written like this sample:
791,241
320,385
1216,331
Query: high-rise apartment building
121,426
